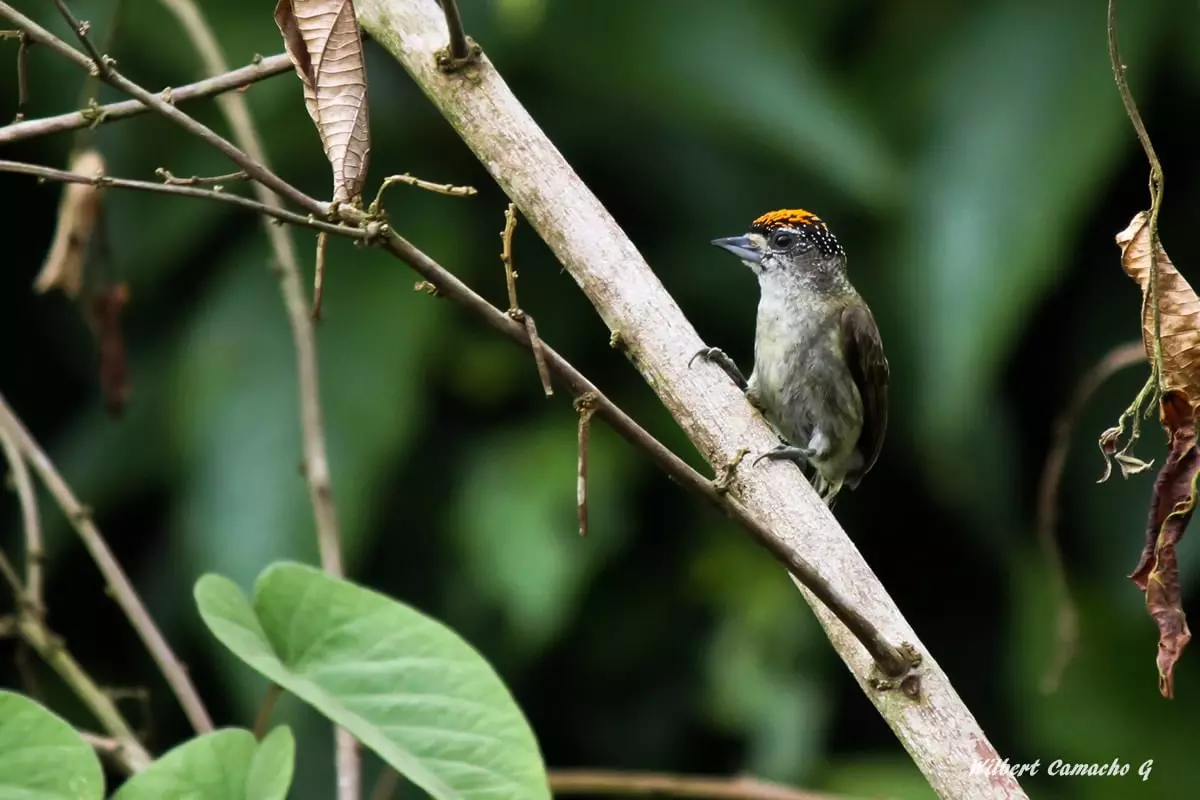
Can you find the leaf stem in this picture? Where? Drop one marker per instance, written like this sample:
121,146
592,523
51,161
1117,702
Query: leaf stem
1156,190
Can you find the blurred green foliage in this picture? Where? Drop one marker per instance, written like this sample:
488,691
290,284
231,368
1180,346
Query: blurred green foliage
973,158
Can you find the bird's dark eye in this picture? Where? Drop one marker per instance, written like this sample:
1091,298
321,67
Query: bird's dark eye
783,240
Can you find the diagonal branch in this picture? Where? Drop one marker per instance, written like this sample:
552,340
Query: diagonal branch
118,583
31,524
445,284
939,732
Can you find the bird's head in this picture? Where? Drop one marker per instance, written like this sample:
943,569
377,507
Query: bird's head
789,245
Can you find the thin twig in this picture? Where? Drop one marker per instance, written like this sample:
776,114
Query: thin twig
319,276
585,405
565,782
514,308
9,573
114,78
214,180
291,284
448,189
102,115
22,77
1067,637
30,523
99,62
459,47
122,590
1156,184
266,707
271,211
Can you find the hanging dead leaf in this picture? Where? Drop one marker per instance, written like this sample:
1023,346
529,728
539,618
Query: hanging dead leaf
77,214
323,41
1179,308
104,309
1174,500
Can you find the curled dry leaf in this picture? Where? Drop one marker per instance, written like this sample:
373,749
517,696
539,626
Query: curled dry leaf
324,44
1179,308
77,214
1157,572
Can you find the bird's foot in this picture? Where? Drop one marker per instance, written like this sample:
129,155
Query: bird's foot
717,356
787,452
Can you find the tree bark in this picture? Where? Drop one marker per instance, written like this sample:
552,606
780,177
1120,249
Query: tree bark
938,730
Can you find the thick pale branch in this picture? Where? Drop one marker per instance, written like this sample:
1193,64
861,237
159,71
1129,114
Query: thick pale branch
939,731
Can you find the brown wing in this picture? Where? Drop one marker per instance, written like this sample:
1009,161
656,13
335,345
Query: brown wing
868,365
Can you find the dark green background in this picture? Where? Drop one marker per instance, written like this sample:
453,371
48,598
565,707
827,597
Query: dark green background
973,158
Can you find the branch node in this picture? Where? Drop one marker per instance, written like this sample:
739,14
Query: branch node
514,309
899,675
721,485
449,64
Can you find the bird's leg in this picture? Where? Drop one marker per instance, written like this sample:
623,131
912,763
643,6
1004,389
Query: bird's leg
717,356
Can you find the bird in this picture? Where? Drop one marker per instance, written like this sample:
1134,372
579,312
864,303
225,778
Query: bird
820,374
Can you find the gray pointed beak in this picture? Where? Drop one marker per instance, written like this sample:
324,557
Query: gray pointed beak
740,246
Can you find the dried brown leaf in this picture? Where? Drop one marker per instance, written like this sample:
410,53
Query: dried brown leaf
1174,500
1179,308
77,214
104,310
322,39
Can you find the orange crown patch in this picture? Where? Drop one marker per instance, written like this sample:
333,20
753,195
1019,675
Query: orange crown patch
791,217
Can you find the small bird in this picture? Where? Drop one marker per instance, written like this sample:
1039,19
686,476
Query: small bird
820,375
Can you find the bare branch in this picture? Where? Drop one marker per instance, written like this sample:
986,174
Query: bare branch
1156,183
272,211
31,524
938,731
122,590
22,77
585,405
567,782
319,276
102,115
215,181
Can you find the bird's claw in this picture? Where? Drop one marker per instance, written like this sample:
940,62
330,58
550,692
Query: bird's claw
787,452
717,356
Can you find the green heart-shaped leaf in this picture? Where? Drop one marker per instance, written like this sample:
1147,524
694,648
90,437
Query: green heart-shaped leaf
41,755
405,685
